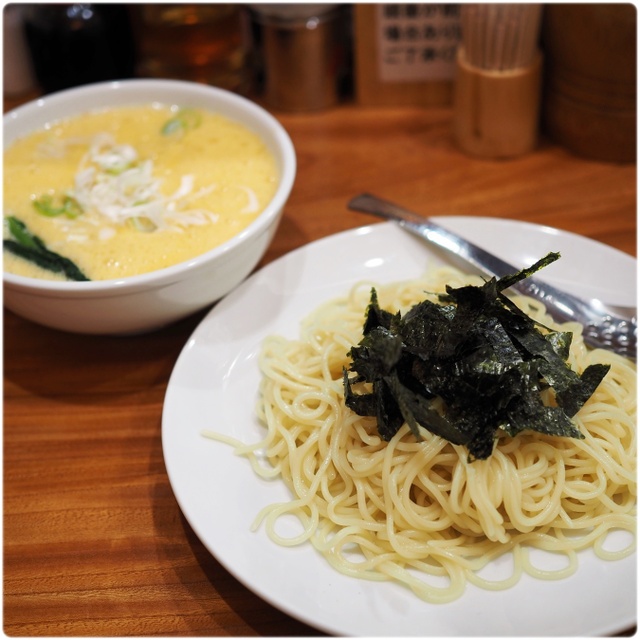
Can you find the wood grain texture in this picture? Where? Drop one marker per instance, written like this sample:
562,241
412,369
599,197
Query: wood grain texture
94,541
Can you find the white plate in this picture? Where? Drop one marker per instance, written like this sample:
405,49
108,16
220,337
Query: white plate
214,386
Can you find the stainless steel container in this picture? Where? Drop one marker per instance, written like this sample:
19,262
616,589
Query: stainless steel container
302,51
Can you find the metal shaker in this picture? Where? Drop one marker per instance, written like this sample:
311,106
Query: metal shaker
303,54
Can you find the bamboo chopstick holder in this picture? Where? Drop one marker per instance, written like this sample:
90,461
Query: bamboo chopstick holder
496,112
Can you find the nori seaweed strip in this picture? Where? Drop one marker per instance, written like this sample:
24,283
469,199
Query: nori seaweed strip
387,411
573,398
364,404
486,361
377,353
375,316
523,274
415,409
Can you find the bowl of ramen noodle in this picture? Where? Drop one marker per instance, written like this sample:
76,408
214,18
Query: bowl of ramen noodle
130,205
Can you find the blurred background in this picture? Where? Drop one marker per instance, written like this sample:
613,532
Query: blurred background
307,57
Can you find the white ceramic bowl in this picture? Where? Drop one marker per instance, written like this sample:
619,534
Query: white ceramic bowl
152,300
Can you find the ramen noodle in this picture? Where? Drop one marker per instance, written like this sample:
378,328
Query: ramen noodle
418,512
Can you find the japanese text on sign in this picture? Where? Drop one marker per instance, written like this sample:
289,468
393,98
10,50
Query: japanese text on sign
417,42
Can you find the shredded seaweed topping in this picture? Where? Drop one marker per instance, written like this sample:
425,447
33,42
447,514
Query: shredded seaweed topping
30,247
467,369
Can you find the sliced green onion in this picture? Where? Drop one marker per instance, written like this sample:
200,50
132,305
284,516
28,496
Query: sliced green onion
183,121
69,207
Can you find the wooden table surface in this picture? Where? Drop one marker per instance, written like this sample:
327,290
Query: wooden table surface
94,541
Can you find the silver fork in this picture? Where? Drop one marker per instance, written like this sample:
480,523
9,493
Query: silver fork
605,326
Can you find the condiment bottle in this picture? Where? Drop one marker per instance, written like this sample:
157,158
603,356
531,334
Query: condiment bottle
304,53
75,44
204,43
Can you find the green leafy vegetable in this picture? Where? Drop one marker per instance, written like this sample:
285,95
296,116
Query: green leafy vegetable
184,120
68,207
23,236
477,357
30,247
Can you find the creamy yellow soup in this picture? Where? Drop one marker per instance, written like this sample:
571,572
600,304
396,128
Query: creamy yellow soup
129,190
